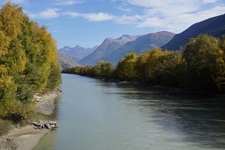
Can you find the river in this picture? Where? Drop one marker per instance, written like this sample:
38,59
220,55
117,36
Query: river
98,115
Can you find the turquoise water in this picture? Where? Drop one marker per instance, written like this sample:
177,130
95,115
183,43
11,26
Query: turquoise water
97,115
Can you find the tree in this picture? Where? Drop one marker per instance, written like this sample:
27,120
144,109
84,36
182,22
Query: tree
126,67
204,65
103,69
28,62
166,69
54,78
158,67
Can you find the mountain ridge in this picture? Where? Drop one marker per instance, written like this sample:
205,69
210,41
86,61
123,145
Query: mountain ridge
112,50
107,46
75,53
66,62
214,26
141,44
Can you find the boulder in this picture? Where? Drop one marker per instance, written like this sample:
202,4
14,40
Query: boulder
45,125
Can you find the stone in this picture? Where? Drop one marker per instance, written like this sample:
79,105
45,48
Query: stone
45,125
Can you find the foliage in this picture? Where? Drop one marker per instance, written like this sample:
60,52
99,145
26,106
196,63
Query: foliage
200,68
204,67
54,79
126,67
158,67
28,62
101,70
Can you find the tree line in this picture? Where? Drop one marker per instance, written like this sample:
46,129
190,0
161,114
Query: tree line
28,62
200,67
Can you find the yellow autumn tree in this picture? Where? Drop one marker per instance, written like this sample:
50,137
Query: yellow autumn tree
28,62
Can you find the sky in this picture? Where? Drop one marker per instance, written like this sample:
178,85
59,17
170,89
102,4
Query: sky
88,22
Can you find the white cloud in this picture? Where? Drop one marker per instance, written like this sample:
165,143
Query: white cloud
71,14
175,15
67,2
172,15
127,19
124,7
53,13
93,17
47,14
182,21
98,16
151,22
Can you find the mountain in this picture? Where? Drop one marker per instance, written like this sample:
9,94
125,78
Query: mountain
66,62
75,53
108,45
140,45
213,26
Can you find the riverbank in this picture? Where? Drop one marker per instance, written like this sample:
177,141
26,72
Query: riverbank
45,104
26,138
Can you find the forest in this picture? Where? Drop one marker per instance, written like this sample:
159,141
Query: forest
199,67
28,63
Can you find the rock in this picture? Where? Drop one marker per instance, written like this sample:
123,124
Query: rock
45,125
9,139
48,126
53,124
59,90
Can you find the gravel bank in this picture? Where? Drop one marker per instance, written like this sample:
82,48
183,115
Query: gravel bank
46,103
25,138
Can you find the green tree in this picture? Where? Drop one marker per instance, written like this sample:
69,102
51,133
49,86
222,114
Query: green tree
220,80
166,69
103,69
54,79
126,67
204,64
158,67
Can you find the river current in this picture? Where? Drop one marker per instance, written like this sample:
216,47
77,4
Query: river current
96,115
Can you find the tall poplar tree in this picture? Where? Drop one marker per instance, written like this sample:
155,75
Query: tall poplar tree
28,62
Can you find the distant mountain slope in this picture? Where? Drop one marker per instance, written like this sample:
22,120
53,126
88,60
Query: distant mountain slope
106,48
213,26
76,53
66,62
140,45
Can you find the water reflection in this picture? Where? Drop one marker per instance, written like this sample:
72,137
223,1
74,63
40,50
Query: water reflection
198,120
98,115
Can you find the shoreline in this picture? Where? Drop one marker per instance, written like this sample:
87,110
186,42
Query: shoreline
170,89
26,138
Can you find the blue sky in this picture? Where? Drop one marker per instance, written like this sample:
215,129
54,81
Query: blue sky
88,22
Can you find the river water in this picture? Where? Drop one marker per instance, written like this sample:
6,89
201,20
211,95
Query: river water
97,115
